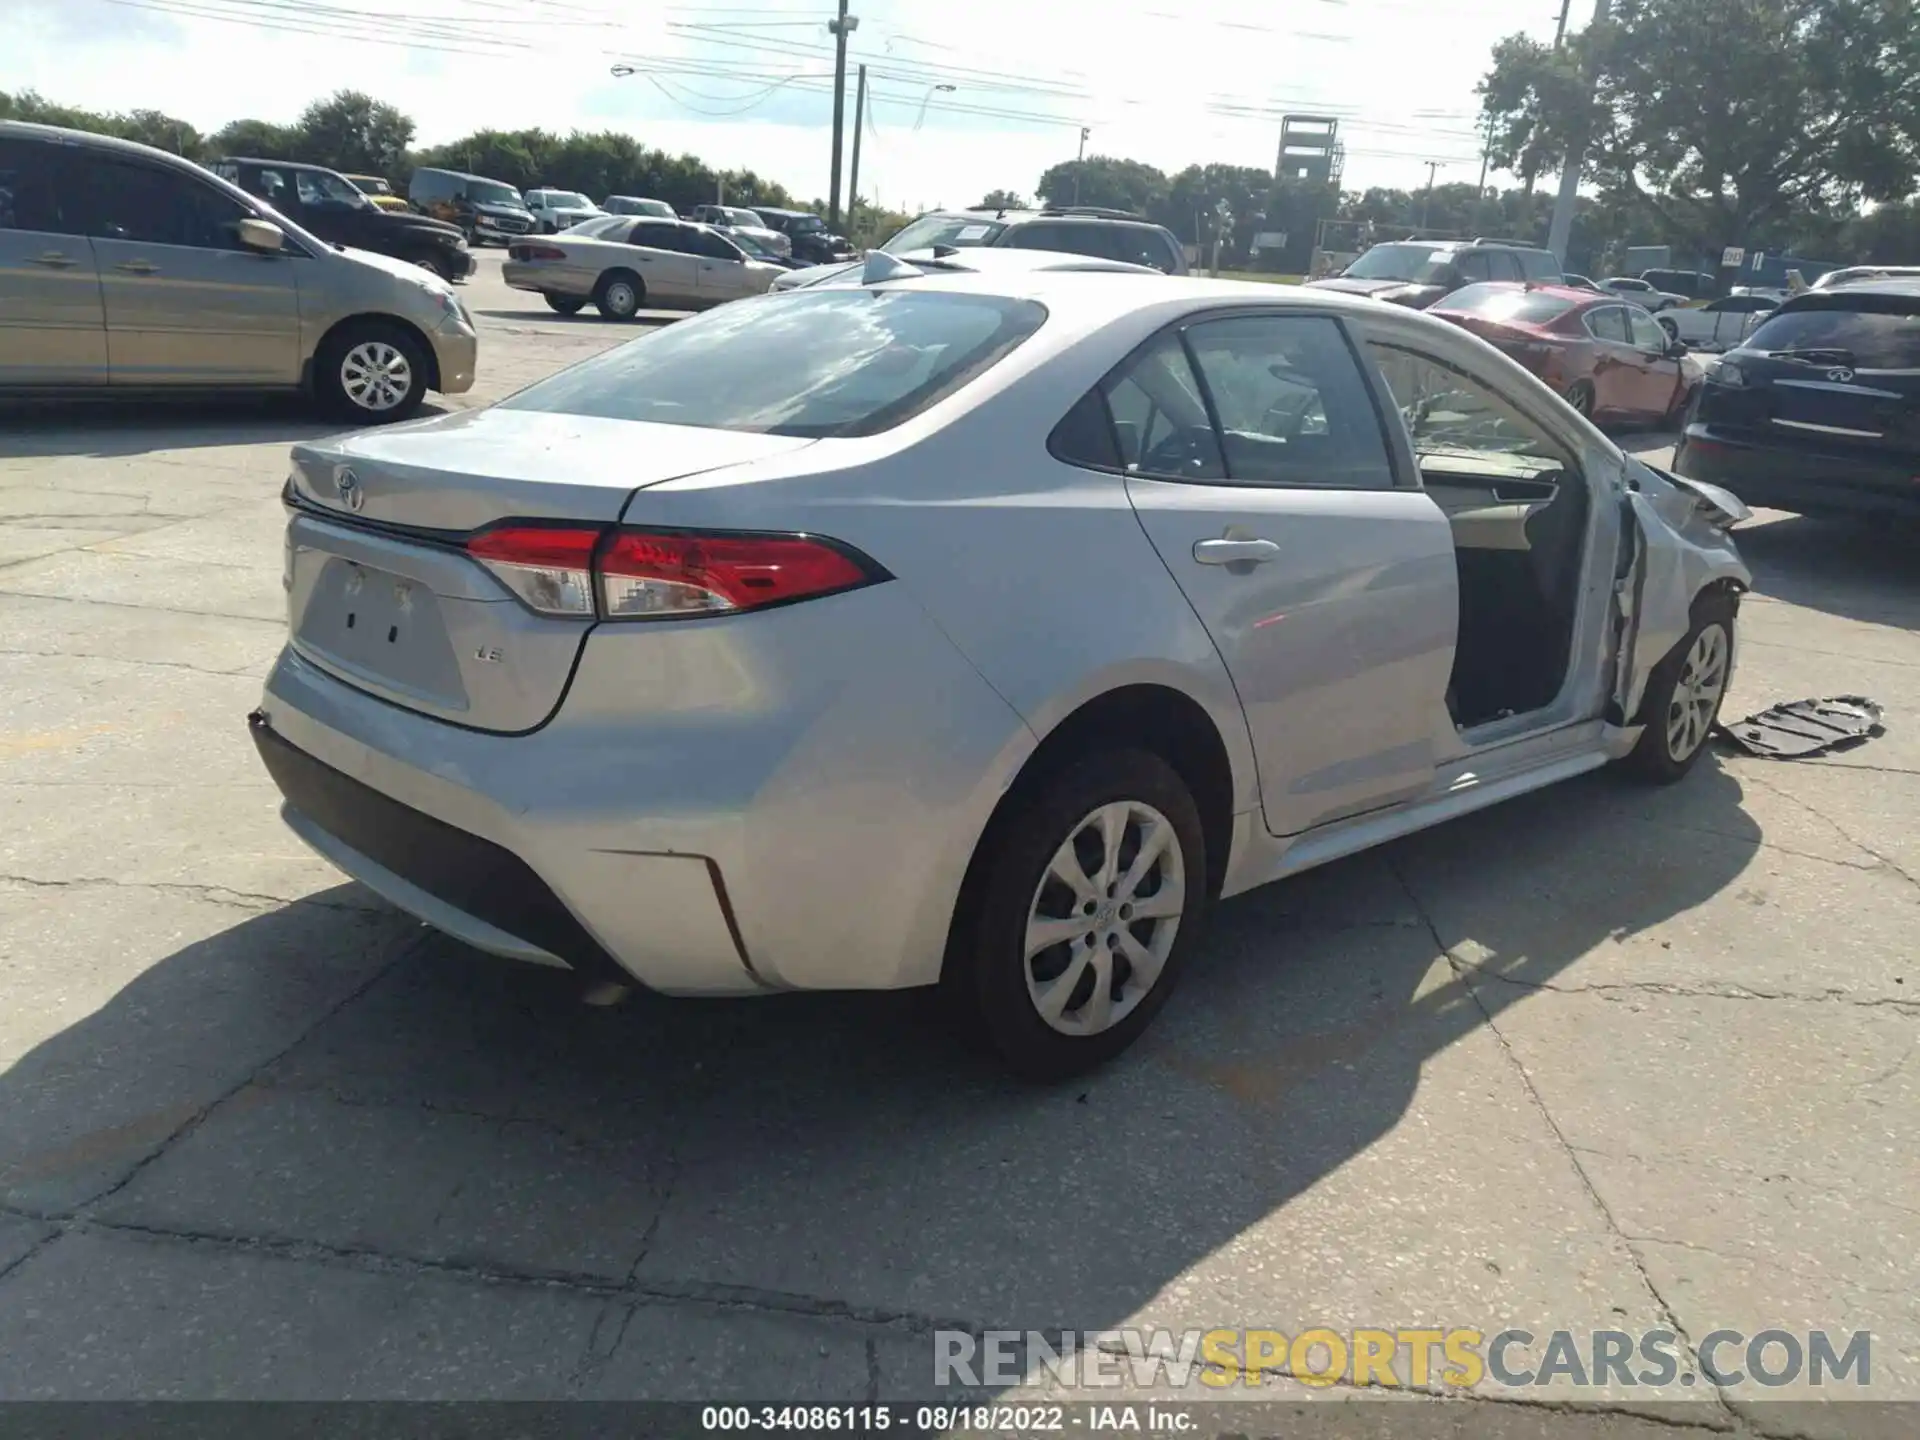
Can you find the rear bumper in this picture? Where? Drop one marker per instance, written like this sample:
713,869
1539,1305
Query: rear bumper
1784,474
716,808
544,279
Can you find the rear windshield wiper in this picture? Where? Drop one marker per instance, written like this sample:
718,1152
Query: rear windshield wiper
1814,355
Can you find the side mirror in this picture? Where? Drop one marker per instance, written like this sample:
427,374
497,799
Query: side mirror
1677,347
262,235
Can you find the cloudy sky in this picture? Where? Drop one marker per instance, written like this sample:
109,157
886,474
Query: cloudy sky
1167,81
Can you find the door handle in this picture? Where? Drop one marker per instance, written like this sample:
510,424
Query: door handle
54,260
1234,552
138,267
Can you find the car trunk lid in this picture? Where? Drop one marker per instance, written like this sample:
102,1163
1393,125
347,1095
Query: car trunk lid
381,590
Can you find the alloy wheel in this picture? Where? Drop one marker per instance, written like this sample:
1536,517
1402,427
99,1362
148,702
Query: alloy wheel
1696,694
1103,918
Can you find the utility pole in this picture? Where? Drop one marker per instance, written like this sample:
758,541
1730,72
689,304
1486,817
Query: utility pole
1560,31
853,177
839,28
1486,154
1561,229
1079,162
1426,199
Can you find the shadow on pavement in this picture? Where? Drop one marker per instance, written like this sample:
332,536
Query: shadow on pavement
108,426
1856,568
838,1148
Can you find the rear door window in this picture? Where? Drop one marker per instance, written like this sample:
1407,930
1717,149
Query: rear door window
1160,419
1066,239
1538,264
655,235
812,364
1609,323
1293,405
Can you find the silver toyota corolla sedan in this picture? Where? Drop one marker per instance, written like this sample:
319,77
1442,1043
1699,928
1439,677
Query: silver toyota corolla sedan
970,630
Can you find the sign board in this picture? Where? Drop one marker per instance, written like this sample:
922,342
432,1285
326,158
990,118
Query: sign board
1270,240
1732,256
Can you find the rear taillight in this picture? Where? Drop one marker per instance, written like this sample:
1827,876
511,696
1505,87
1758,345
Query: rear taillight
648,575
550,567
653,575
535,252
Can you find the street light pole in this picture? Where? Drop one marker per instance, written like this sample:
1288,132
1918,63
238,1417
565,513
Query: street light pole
1426,199
1079,162
853,178
1561,230
839,27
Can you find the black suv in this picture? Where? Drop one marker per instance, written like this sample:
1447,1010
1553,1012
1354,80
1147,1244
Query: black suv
333,207
1073,229
813,243
1415,273
1818,409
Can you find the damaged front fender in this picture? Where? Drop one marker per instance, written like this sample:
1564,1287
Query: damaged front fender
1681,549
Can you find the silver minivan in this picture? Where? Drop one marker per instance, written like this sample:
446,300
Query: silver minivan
124,268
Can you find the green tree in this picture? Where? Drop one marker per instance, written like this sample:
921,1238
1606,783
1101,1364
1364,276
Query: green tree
1003,200
354,132
258,139
149,127
1104,180
1723,120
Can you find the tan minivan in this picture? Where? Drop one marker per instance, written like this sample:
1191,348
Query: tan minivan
125,269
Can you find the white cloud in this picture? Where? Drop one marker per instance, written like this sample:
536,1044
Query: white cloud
1150,78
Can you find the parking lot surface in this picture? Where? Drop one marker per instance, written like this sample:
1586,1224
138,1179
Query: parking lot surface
1600,1059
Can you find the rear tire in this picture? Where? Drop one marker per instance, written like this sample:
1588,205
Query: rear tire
1684,695
620,295
1060,865
565,304
1580,397
371,372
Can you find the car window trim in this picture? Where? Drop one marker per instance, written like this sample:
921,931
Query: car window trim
1401,462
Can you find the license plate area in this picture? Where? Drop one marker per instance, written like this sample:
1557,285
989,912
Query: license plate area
384,629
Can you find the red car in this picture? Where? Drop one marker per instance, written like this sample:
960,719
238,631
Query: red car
1611,360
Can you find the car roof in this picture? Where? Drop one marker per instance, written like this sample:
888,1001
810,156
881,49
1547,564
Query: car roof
1898,287
283,164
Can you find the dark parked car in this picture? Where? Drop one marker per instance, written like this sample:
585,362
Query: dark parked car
1610,359
1416,273
1819,409
812,241
334,208
483,209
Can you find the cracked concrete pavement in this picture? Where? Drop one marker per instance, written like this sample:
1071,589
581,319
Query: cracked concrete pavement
1603,1058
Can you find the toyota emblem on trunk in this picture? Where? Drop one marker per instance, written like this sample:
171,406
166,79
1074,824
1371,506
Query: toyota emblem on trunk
1843,375
348,484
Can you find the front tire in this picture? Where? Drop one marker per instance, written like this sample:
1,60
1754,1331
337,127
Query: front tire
435,264
1093,892
1580,397
620,295
371,372
1684,695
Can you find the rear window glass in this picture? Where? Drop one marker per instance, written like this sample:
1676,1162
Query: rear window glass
1878,333
813,365
1507,302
